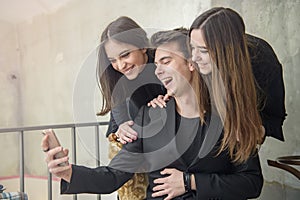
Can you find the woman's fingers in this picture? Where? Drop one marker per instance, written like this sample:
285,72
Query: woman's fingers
159,101
126,133
57,162
45,144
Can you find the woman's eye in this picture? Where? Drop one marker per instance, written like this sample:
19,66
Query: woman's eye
112,60
201,50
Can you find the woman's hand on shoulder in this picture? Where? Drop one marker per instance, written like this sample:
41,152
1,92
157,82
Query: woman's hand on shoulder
125,133
159,101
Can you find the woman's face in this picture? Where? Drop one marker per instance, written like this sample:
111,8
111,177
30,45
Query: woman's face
200,53
126,58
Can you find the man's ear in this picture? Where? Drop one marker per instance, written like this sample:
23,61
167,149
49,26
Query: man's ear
144,50
191,65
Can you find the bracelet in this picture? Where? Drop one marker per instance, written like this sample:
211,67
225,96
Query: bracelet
187,181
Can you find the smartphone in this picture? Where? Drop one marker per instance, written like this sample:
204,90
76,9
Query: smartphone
54,142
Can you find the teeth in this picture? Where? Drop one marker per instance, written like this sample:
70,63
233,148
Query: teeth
128,70
166,81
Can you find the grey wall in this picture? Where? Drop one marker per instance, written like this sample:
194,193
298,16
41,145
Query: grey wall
10,102
43,59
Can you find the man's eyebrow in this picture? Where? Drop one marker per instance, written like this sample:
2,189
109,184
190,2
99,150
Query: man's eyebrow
163,58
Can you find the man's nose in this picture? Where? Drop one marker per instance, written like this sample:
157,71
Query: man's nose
158,70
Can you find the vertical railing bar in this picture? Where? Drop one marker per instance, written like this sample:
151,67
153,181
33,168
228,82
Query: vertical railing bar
97,139
74,151
97,146
49,186
74,145
21,140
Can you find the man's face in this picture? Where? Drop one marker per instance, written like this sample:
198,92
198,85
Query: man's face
173,70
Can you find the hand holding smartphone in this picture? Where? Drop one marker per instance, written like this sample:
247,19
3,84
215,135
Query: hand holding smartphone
53,142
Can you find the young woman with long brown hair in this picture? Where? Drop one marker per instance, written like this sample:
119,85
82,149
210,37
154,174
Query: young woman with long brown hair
125,72
219,47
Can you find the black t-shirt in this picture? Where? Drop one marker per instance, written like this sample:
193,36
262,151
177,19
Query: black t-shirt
193,133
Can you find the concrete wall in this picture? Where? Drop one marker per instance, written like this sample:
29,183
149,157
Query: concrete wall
47,65
9,75
10,95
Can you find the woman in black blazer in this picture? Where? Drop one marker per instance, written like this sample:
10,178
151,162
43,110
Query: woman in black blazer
186,137
125,72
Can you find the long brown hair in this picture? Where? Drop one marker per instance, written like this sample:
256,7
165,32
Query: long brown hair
124,30
233,86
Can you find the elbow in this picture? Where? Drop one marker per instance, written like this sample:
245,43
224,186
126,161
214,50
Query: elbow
260,185
257,185
110,190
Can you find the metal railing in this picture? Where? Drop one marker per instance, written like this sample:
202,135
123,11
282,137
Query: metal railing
22,130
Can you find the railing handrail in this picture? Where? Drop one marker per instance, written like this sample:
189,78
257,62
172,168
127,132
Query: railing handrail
72,126
59,126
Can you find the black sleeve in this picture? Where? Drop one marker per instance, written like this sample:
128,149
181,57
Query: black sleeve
112,126
245,182
131,157
107,179
101,180
273,113
118,115
267,71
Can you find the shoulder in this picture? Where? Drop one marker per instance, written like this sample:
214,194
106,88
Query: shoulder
148,114
260,48
256,40
265,63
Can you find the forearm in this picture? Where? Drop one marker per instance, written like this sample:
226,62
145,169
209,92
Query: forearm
101,180
244,182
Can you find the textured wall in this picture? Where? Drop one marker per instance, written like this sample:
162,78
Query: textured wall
9,75
10,97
